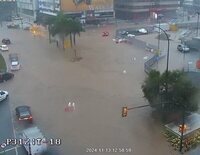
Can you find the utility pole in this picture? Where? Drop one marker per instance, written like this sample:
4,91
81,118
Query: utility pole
182,130
198,23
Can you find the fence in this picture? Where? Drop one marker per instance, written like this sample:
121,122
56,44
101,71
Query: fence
152,48
149,63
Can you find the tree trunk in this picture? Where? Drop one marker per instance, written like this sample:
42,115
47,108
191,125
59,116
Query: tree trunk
49,35
70,36
74,37
63,42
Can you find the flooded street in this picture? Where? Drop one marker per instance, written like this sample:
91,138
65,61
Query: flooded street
97,84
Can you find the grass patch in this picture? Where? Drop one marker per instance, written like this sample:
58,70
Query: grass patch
3,67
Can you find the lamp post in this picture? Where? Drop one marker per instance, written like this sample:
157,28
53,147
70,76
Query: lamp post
167,68
159,16
198,23
182,129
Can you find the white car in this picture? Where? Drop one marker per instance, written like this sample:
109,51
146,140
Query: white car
3,95
131,35
4,48
183,48
120,40
142,30
14,66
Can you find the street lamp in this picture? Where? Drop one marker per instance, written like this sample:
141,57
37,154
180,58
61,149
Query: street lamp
182,129
158,17
198,23
167,68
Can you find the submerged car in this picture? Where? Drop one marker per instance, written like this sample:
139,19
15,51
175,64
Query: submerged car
6,41
14,60
23,113
14,66
4,48
6,76
3,95
183,48
13,26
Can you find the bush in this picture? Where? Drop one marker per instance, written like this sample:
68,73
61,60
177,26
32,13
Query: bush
3,67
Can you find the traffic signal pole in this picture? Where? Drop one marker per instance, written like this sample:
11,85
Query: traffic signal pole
125,113
125,109
182,130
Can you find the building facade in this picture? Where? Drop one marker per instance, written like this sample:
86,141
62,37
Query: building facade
27,9
8,8
49,7
192,6
144,9
86,10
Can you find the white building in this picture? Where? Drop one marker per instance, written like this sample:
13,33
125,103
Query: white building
27,9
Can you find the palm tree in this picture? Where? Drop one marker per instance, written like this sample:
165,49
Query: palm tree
64,26
59,25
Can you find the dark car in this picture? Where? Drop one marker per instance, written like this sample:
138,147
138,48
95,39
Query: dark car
6,41
23,113
6,76
13,26
183,48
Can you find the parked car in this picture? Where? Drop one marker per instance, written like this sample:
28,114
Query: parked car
4,48
3,95
6,76
131,35
23,113
123,33
183,48
17,18
15,65
13,26
26,27
142,31
6,41
120,40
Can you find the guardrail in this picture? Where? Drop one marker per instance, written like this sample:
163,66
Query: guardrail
150,62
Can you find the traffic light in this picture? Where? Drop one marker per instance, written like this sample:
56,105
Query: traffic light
124,111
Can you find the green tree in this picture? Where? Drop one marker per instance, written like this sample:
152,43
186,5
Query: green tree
173,91
64,26
59,25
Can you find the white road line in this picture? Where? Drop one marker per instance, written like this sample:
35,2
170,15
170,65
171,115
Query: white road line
9,149
14,133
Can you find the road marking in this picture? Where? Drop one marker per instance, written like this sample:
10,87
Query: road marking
14,134
9,149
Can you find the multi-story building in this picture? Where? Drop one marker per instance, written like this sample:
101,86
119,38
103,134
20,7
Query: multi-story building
142,9
49,7
7,9
28,9
191,6
86,10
